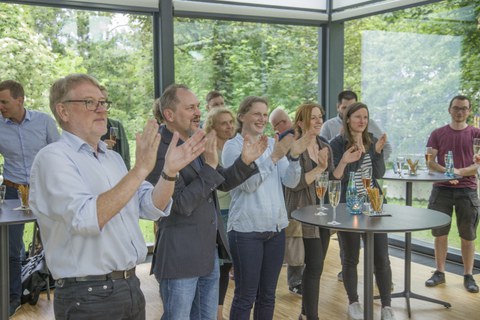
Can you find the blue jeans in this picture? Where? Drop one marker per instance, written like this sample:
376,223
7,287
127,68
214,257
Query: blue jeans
15,247
191,298
257,261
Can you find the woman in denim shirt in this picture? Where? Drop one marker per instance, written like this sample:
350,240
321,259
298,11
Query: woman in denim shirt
257,215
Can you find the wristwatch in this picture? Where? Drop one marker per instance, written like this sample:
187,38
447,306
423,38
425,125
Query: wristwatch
168,178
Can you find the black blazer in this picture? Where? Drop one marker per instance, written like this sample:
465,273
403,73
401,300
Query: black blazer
187,239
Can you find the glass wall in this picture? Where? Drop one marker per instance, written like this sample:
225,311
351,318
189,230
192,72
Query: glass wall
241,59
39,45
406,66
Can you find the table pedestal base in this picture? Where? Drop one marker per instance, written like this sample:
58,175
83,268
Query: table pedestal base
407,293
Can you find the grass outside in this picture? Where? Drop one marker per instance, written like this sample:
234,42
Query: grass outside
145,225
426,235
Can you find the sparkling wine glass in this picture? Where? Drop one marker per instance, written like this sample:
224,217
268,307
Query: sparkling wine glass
1,174
367,177
476,146
428,158
400,161
321,185
113,133
334,191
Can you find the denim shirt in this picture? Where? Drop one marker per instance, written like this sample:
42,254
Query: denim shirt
258,204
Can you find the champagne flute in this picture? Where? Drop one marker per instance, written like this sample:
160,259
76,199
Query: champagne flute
367,177
334,191
400,161
428,158
476,146
113,133
1,174
321,184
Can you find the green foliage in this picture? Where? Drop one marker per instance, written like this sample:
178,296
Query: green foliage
242,59
408,64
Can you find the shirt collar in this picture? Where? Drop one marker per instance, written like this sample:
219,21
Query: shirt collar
78,144
28,117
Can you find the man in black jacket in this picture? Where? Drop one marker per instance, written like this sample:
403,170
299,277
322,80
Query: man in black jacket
189,241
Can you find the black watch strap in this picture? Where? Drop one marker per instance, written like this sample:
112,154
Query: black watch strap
168,178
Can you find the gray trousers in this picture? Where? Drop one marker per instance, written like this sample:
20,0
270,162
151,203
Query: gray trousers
91,300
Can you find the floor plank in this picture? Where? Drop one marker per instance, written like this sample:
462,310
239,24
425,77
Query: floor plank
333,301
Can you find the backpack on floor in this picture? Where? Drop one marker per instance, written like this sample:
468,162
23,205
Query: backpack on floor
34,278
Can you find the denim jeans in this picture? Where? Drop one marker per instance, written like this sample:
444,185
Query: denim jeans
110,299
381,261
15,247
257,261
191,298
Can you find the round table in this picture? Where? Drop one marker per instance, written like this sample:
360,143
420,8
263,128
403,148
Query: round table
402,219
421,176
8,216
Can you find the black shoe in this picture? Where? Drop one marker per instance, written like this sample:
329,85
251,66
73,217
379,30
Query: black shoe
437,278
340,276
469,283
297,290
14,306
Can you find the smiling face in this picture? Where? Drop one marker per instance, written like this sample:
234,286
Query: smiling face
76,119
358,121
186,117
224,126
316,121
255,120
10,107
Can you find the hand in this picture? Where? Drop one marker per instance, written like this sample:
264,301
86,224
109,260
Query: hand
381,143
323,156
476,159
281,147
352,154
177,157
211,153
359,144
301,144
110,143
147,147
253,148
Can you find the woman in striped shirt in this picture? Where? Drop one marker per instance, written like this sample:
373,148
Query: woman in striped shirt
355,138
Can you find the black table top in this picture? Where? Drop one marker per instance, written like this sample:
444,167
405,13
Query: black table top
421,176
10,216
402,219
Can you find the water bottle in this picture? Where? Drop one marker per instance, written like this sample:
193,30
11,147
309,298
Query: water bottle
449,165
351,193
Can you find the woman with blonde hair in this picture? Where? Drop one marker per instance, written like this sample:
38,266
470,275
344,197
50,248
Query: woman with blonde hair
221,120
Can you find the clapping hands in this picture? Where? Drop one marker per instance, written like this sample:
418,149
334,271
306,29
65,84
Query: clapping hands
253,148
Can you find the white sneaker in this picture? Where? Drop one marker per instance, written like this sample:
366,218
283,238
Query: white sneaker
355,311
387,313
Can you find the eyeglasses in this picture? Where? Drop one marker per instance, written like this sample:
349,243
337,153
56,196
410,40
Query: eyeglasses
460,109
93,105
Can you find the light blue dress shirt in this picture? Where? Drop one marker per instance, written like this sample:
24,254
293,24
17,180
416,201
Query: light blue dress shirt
258,204
19,143
66,180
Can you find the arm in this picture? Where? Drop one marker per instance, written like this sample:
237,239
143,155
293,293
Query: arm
111,202
341,159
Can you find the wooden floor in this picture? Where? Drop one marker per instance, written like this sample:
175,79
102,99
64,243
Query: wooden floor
333,301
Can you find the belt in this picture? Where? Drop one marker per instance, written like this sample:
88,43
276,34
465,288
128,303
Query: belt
114,275
11,184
